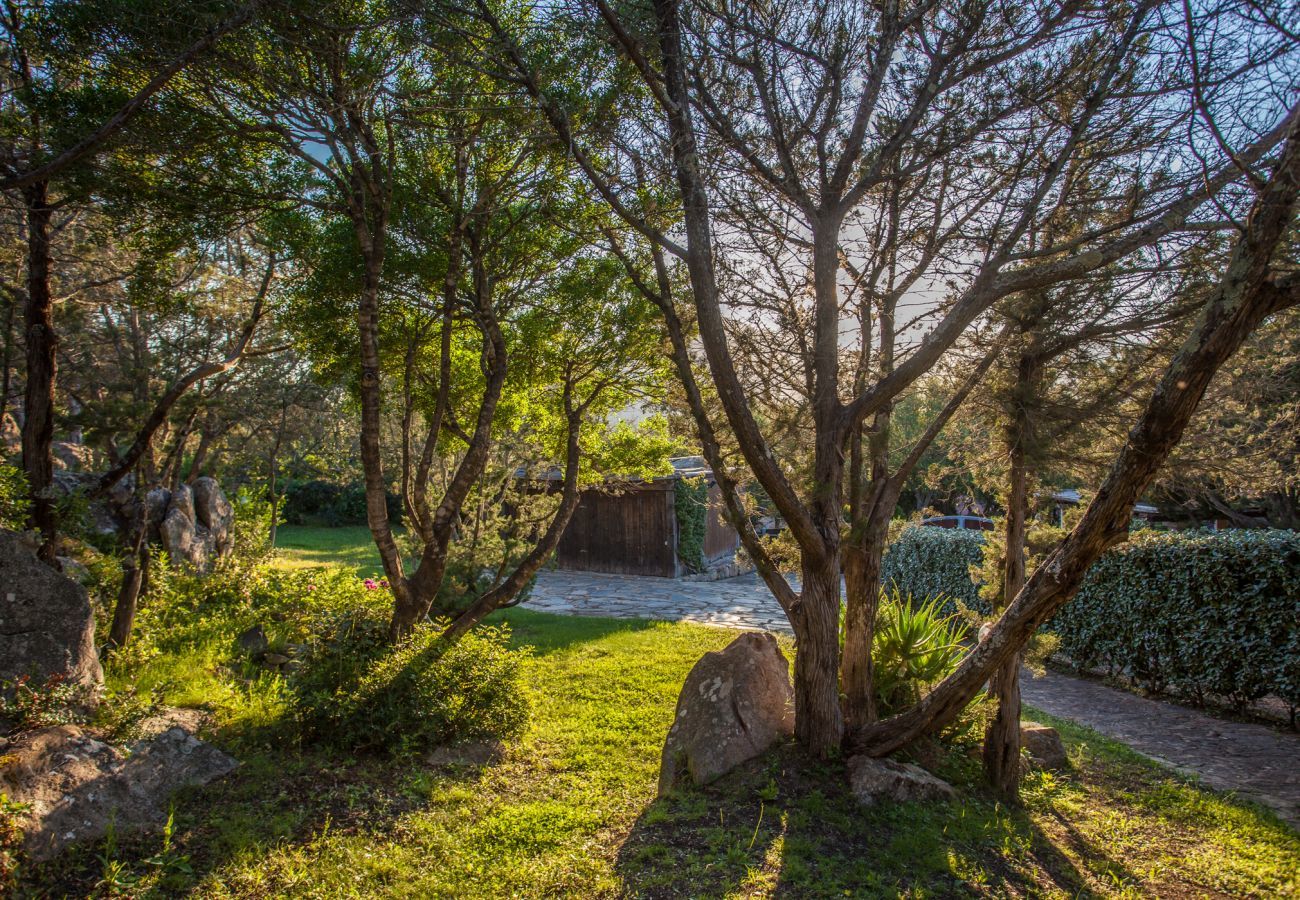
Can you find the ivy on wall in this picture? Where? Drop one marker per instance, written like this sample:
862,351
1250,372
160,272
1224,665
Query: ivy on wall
691,505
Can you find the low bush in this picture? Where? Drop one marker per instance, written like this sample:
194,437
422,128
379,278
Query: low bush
935,562
26,704
13,497
357,692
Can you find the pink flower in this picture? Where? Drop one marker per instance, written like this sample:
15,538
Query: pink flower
383,583
370,584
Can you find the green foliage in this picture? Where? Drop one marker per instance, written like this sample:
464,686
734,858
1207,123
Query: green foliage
122,713
13,498
935,562
1201,613
254,515
691,505
357,692
11,838
26,704
915,645
317,501
989,572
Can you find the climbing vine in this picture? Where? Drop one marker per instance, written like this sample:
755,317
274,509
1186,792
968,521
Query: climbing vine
691,504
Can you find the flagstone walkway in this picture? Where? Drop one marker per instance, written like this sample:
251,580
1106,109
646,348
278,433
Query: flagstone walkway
1254,761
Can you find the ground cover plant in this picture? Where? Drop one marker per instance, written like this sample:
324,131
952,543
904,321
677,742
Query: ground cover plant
568,807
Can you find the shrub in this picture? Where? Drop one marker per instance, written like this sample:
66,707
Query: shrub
691,506
13,498
1201,613
915,646
357,692
251,529
26,705
323,502
935,562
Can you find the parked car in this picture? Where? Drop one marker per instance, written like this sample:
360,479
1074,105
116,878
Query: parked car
970,523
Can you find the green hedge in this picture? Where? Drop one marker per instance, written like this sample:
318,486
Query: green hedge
928,562
1199,613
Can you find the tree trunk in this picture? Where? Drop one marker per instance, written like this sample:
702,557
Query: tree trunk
1002,737
135,564
863,555
42,344
819,722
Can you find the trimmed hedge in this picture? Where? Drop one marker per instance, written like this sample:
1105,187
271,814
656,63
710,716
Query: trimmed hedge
1199,613
929,562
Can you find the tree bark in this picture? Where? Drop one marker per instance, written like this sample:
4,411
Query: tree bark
42,368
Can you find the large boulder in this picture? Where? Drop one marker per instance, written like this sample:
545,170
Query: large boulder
182,501
885,780
156,502
185,541
735,704
46,624
213,511
76,787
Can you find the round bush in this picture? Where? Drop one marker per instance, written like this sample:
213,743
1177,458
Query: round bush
355,691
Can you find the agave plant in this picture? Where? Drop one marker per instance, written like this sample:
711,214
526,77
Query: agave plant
915,646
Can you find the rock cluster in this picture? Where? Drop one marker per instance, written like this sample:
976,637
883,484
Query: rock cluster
193,524
735,704
75,787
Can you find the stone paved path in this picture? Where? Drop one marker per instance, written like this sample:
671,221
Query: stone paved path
1255,761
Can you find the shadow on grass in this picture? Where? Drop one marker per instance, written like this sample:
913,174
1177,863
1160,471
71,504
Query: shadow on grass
550,633
281,798
786,826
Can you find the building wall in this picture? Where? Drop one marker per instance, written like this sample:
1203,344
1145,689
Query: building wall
632,532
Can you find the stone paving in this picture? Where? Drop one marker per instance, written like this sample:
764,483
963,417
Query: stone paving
1254,761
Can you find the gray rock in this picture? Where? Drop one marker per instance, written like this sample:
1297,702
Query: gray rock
157,501
76,786
735,704
875,780
46,624
183,501
253,640
275,660
1043,744
214,512
186,542
71,456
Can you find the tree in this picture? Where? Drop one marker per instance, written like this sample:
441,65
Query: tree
432,218
952,132
53,115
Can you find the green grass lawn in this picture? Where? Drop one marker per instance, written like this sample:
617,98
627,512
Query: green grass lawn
570,811
350,546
